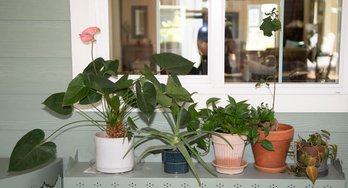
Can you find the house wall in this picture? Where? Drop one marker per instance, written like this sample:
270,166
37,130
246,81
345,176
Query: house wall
35,61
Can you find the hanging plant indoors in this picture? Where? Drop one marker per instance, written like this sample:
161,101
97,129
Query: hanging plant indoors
312,155
271,139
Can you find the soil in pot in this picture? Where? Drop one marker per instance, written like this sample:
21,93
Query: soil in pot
174,162
273,161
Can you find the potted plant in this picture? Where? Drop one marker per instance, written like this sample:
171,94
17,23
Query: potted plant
111,101
184,141
312,155
270,139
231,123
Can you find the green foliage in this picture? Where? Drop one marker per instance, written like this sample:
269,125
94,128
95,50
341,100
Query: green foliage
271,23
263,119
111,101
234,118
31,151
311,152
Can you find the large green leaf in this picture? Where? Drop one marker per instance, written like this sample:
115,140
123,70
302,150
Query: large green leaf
31,151
149,75
103,84
122,83
55,103
111,67
172,63
146,98
267,26
177,92
76,91
94,66
92,97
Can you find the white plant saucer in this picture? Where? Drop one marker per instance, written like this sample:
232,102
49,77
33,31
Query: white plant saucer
230,169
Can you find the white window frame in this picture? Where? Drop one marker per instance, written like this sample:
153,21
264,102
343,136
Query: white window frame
291,97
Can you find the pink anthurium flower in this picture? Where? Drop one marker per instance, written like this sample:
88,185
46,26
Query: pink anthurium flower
87,35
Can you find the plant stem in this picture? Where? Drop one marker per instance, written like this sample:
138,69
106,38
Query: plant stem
95,69
60,128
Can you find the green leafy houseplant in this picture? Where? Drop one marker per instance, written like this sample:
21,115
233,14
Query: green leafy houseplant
178,109
271,139
312,153
234,118
111,101
231,127
263,116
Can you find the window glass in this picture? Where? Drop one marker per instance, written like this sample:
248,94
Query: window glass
309,42
179,27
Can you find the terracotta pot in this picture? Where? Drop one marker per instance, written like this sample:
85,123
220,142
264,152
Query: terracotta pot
110,154
273,161
225,156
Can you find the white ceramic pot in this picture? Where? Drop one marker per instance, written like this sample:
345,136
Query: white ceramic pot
110,154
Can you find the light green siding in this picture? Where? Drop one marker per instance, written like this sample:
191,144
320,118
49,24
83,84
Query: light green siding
35,61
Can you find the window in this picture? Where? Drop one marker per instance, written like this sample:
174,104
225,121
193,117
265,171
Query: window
314,96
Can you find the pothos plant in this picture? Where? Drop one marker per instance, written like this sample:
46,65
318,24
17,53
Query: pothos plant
263,117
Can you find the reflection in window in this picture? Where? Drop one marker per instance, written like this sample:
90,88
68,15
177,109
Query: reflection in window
136,38
310,42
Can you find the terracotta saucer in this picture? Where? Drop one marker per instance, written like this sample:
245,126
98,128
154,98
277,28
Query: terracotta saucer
230,169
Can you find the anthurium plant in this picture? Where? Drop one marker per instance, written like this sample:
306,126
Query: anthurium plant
111,101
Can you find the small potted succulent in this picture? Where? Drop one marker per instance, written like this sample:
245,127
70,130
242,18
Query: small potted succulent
270,139
232,123
312,155
91,89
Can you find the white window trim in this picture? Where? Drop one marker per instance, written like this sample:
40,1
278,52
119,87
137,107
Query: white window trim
305,97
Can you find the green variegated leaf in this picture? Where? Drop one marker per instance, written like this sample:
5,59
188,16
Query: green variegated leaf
31,151
55,103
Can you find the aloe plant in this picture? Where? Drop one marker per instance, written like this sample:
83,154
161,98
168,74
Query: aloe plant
185,133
